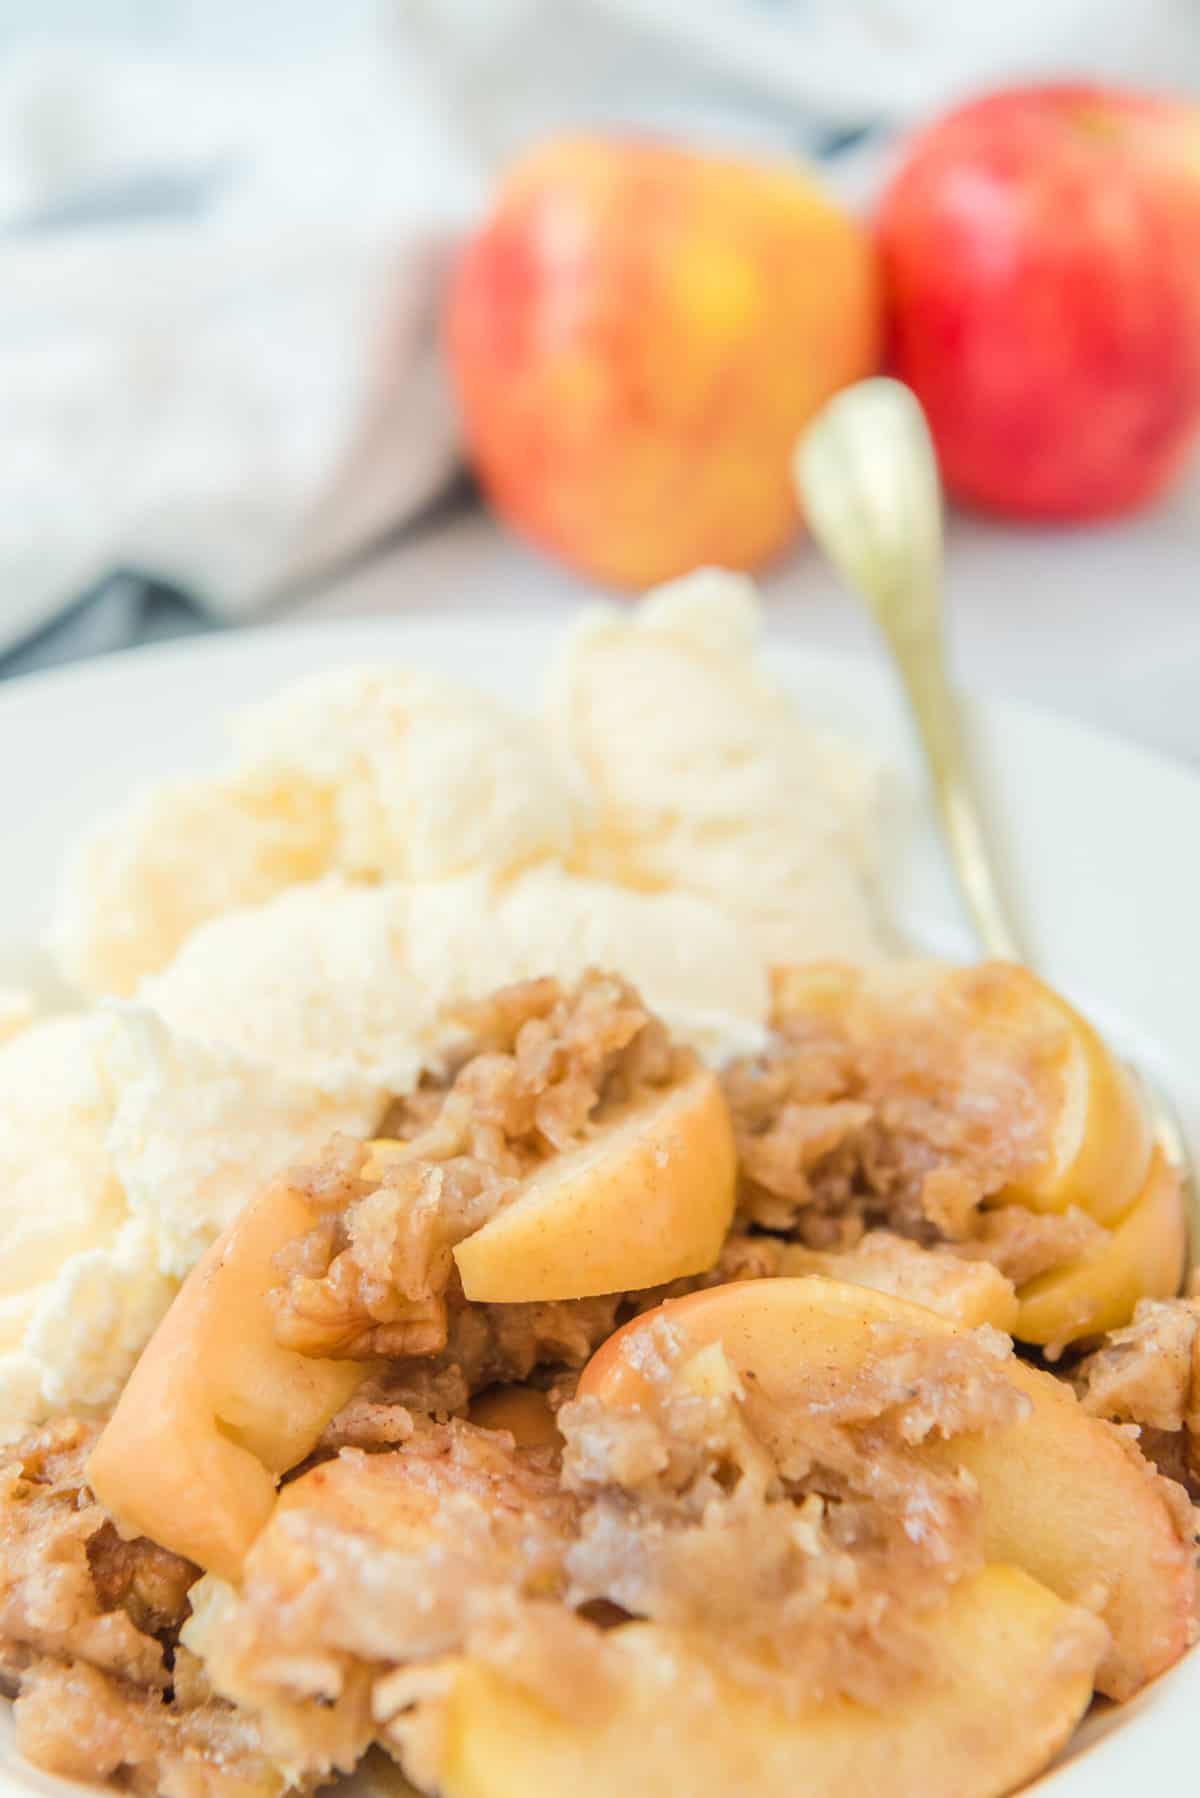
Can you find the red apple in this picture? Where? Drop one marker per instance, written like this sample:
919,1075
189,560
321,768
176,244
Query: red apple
1043,252
637,334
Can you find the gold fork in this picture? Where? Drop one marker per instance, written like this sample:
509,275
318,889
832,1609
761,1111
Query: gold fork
868,482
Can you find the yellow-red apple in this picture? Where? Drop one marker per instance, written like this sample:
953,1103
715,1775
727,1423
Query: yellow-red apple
637,334
1042,248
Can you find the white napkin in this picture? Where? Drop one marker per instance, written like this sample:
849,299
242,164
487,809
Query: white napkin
233,396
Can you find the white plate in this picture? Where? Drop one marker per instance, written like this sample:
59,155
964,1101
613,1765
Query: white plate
1107,840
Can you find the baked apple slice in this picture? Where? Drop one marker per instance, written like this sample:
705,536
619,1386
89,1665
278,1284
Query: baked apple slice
996,1038
216,1409
1063,1496
374,1564
967,1292
575,1152
1142,1257
679,1723
647,1197
523,1411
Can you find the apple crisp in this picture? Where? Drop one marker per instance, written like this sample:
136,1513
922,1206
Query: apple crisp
806,1538
797,1509
89,1640
889,1113
810,1541
540,1067
1148,1375
113,1604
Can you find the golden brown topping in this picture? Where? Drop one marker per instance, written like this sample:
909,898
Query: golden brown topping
75,1721
374,1562
955,1076
966,1292
807,1537
1023,1244
486,1345
971,1107
1065,1496
1148,1374
70,1587
542,1068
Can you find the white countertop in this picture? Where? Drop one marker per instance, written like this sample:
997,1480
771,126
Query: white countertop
1100,623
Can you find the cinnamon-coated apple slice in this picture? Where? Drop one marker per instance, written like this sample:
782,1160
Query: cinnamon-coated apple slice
966,1292
646,1198
216,1410
1101,1138
371,1564
524,1411
1142,1257
679,1723
1088,1131
1063,1495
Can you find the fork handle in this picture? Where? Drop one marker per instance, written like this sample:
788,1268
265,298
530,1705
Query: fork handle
936,714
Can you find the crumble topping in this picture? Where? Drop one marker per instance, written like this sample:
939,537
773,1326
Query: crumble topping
541,1068
502,1345
70,1588
89,1626
1021,1244
963,1290
374,1562
805,1538
1148,1375
894,1112
76,1721
812,1541
810,1538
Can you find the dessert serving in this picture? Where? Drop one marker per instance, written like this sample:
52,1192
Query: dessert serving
515,1267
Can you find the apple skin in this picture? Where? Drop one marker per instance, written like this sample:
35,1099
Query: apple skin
216,1409
1143,1256
1042,253
1075,1506
637,334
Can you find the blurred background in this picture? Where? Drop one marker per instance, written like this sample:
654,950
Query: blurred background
282,336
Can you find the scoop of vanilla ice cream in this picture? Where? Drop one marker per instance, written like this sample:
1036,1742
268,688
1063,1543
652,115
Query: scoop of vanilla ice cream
123,1153
376,773
17,1011
688,959
78,1288
57,1184
195,1131
427,778
86,1328
316,982
180,852
706,781
341,984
